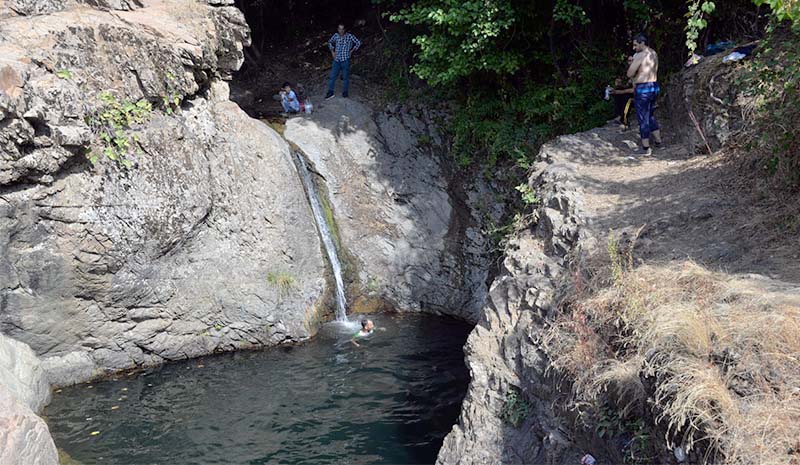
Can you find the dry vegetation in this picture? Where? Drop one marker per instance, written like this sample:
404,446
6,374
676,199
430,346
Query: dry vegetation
712,359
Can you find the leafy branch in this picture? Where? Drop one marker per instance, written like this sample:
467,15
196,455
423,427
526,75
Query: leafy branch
696,21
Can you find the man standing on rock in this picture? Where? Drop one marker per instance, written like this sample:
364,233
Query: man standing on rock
342,45
643,72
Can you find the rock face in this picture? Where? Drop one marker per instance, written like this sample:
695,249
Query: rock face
412,231
24,437
105,267
501,352
710,94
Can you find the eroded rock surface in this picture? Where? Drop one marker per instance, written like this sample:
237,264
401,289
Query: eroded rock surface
413,231
105,267
501,352
673,206
24,437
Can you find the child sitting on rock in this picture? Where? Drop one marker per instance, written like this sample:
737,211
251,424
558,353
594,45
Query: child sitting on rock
622,93
289,99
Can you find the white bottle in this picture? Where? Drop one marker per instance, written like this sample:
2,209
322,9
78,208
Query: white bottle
309,106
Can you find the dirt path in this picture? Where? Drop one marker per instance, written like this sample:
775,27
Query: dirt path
687,206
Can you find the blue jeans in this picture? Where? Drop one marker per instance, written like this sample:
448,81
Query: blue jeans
286,107
644,99
342,67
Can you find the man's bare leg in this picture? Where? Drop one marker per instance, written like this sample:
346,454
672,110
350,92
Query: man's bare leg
656,137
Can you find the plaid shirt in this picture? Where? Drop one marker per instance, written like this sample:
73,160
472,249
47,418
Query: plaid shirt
343,46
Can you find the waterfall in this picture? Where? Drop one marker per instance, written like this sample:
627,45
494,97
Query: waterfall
325,234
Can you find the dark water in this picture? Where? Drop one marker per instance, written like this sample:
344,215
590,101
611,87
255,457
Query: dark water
390,401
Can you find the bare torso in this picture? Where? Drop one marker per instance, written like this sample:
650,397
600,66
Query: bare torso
644,67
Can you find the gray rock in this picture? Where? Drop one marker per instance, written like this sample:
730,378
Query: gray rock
501,352
165,260
22,374
36,7
411,233
24,437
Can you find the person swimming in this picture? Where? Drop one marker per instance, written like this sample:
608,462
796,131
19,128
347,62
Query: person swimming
367,328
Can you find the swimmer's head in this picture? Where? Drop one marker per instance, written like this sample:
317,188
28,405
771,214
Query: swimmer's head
367,324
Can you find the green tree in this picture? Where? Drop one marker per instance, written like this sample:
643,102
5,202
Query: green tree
461,38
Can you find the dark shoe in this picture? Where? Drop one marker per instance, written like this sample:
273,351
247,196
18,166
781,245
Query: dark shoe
657,143
643,151
345,94
329,96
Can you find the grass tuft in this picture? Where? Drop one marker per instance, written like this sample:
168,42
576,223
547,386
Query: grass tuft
283,281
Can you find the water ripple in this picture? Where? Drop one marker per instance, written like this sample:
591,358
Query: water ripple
326,402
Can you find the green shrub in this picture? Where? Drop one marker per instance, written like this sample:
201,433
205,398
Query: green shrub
505,125
773,80
113,124
515,409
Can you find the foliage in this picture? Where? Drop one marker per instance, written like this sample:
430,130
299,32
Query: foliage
283,281
515,408
638,447
114,124
462,37
529,197
171,101
64,74
499,234
772,80
784,10
569,14
506,125
696,21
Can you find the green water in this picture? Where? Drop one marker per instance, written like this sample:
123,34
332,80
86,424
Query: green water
390,401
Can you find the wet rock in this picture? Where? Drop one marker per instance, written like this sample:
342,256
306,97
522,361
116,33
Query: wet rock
412,230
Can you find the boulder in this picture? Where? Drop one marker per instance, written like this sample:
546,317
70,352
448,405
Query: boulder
105,267
24,437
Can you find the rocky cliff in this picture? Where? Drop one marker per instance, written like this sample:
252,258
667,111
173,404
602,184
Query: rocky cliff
502,352
412,231
128,247
674,211
109,266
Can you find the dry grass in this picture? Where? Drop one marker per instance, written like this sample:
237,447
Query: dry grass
718,356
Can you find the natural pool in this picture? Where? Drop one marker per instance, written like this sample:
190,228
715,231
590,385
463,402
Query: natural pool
392,400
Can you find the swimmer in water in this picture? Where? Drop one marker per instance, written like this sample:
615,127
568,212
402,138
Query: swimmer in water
367,328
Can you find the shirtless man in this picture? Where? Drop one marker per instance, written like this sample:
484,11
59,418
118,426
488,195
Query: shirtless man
643,72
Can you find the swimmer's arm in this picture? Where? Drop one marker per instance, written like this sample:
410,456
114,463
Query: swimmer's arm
353,340
381,329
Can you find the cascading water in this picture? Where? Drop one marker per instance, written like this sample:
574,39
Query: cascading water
325,234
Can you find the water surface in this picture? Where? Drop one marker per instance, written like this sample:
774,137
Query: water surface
392,400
